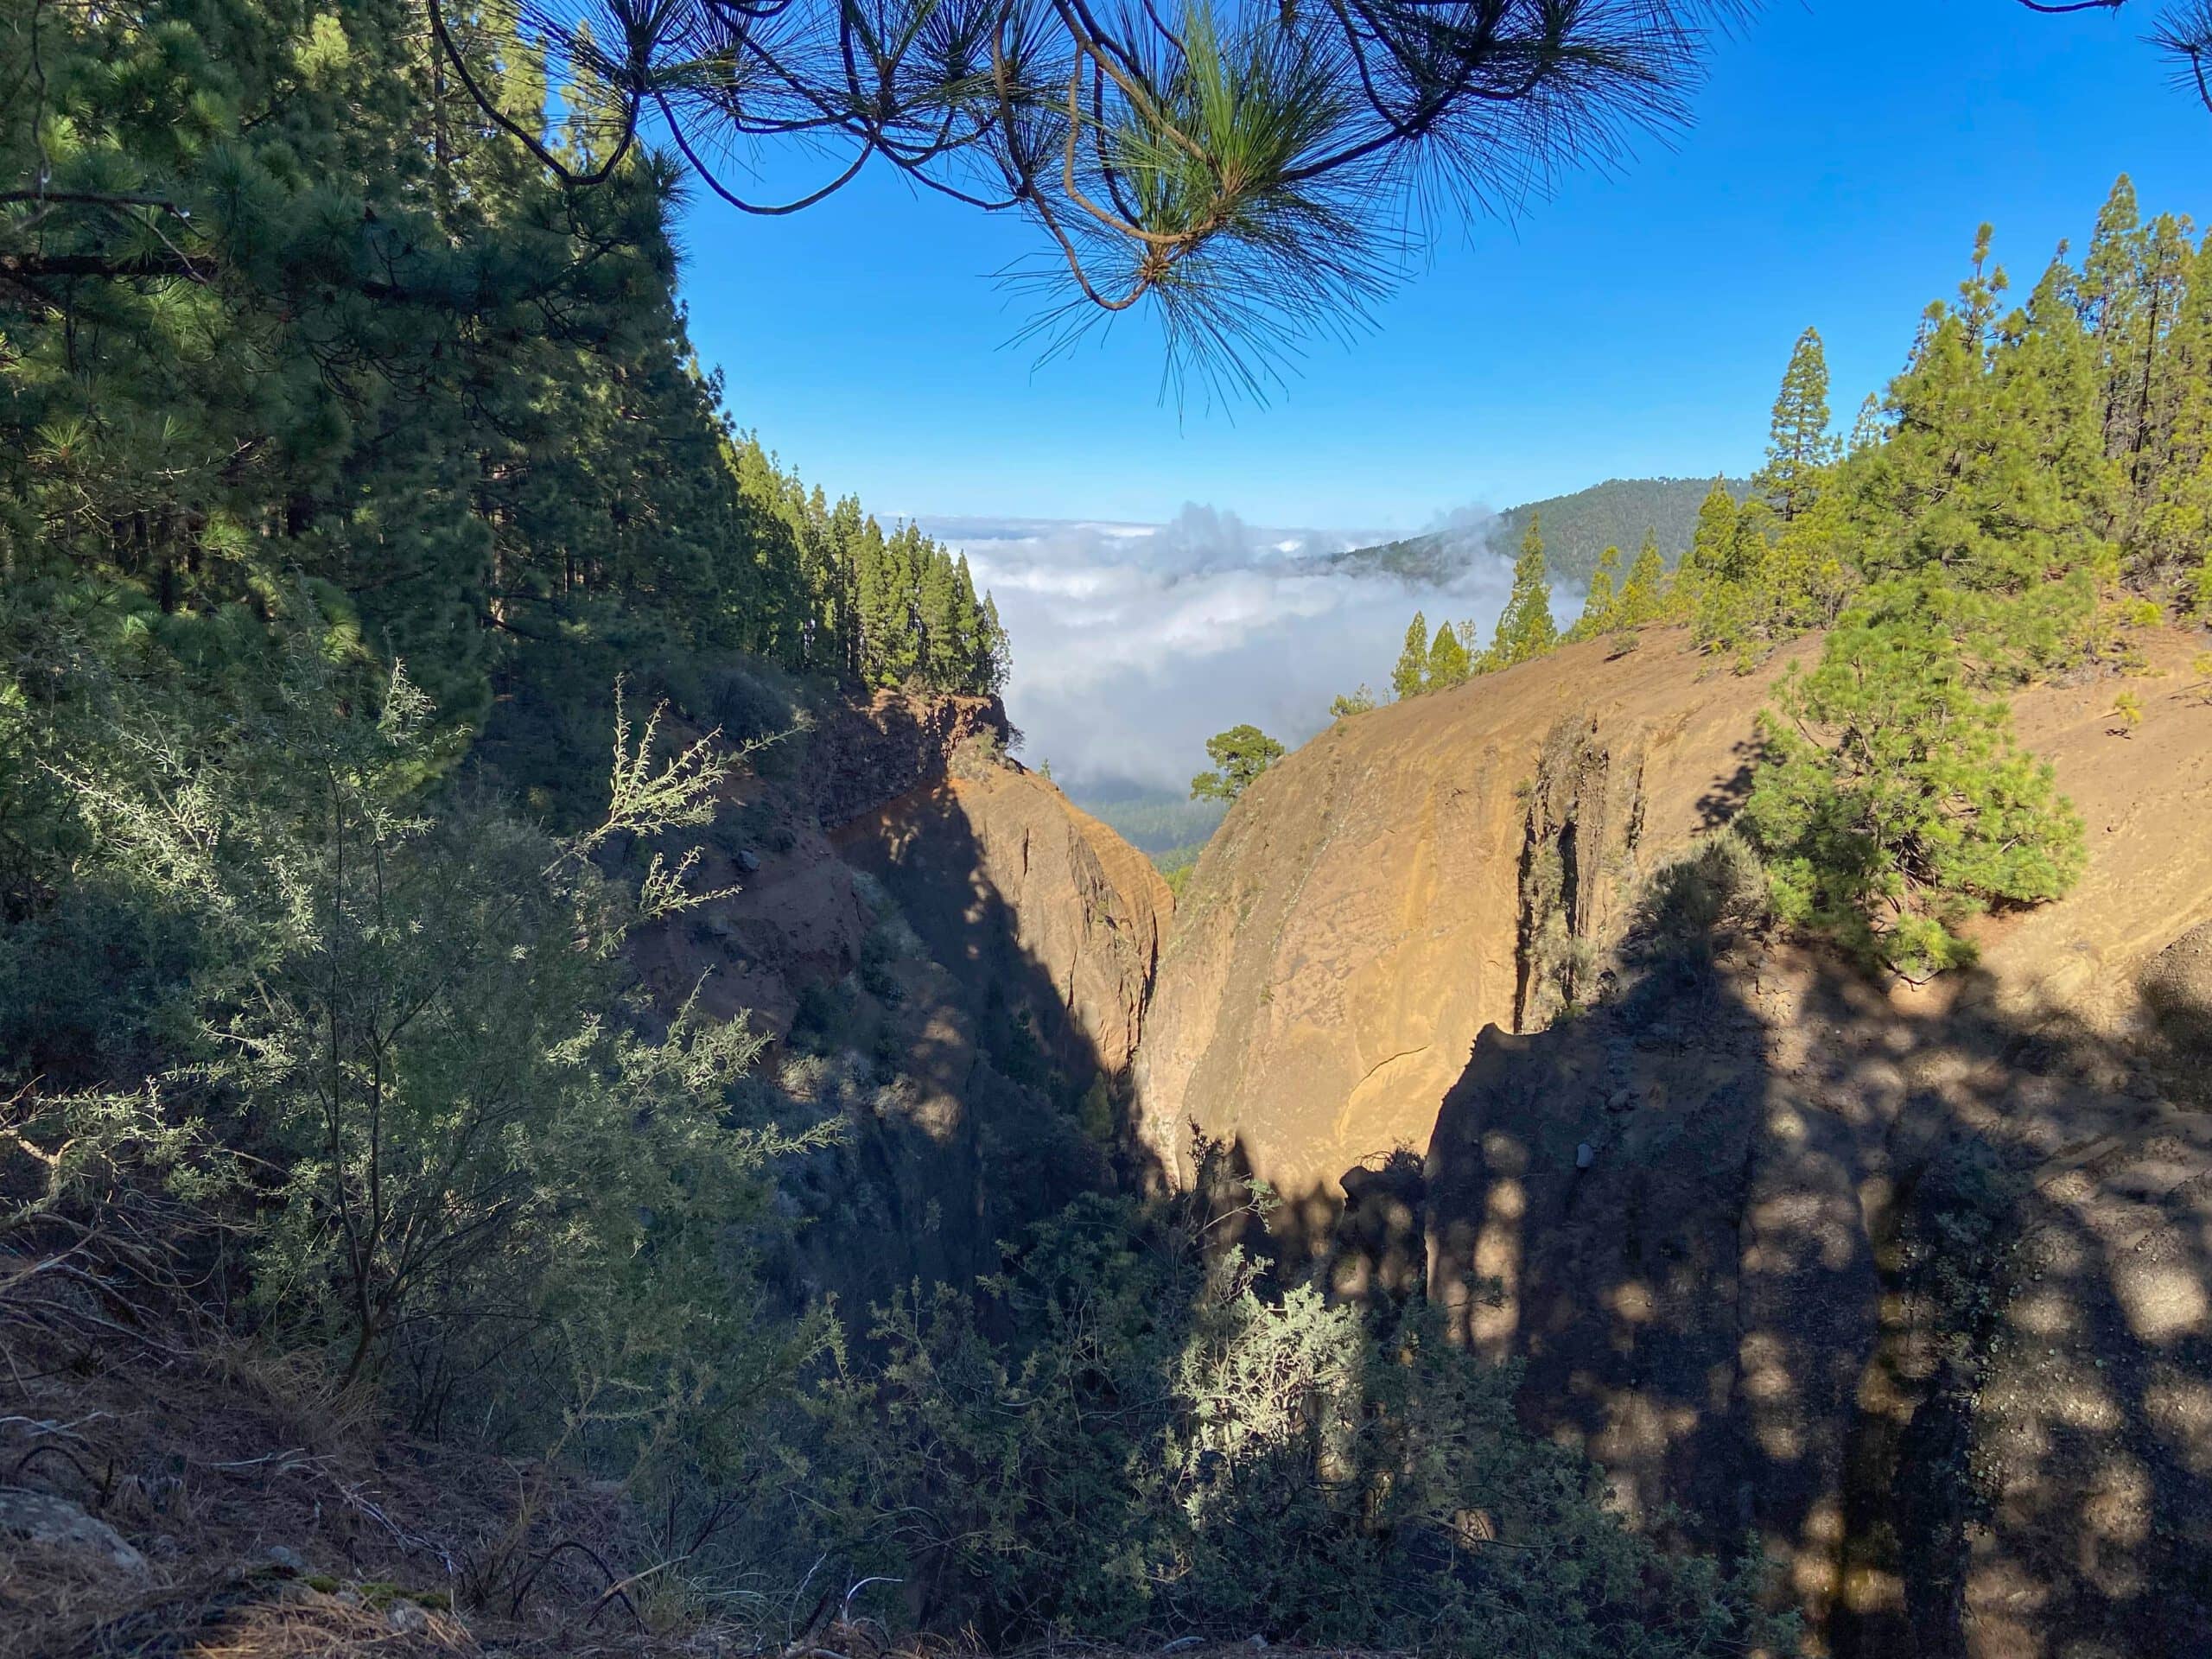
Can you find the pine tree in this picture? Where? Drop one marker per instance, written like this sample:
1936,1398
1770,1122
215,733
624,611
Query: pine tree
592,110
418,373
2112,310
1410,678
1868,430
1525,628
1643,596
1601,605
1712,550
1240,755
2172,550
1736,599
937,615
1994,473
1893,802
2161,376
1810,578
1447,660
1799,450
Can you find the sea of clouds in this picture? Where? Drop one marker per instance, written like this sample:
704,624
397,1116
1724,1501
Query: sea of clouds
1132,643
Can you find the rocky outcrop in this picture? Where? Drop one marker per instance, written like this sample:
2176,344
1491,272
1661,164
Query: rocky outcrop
2177,987
1008,1013
1913,1286
791,916
1360,915
1581,837
869,753
941,1159
1052,920
956,1019
42,1518
1468,859
1922,1303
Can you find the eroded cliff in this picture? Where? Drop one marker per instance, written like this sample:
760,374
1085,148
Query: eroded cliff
1359,917
956,966
1048,917
1466,859
1914,1285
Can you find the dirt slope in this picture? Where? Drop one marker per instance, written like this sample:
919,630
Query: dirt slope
1402,882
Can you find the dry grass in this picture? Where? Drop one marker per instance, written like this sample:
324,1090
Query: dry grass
206,1454
55,1610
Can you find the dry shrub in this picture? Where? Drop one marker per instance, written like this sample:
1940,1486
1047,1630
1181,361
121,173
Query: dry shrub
1710,898
306,1406
979,755
49,1594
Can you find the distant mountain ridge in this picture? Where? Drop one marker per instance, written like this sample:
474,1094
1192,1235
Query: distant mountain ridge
1577,529
1152,820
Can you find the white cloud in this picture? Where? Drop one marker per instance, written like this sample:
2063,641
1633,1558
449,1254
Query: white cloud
1132,643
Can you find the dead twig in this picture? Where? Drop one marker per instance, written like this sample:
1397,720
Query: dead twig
54,1449
545,1559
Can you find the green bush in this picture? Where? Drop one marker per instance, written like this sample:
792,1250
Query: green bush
1892,802
473,1148
977,756
1715,894
1167,1446
1240,755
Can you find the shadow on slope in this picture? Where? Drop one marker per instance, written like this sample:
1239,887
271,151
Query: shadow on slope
1918,1298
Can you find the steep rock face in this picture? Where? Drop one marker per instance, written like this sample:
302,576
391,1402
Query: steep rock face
1047,916
1627,1204
1466,859
940,1160
1914,1285
1359,917
870,752
950,1029
1922,1298
792,916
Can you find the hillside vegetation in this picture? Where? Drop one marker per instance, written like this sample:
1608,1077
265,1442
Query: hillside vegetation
2034,482
1158,823
419,703
1770,1007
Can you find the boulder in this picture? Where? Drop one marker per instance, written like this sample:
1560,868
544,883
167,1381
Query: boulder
44,1519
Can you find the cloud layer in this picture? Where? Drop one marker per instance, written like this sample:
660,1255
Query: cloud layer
1132,643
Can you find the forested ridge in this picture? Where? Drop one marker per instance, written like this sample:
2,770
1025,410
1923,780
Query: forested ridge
1579,528
397,363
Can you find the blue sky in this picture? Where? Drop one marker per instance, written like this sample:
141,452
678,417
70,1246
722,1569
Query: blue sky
1635,323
